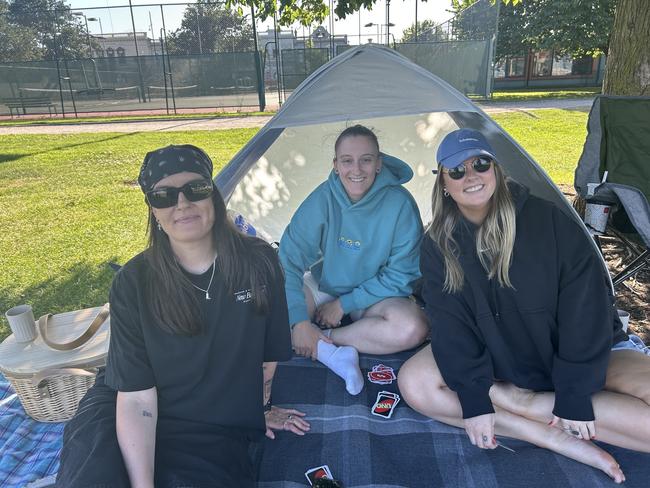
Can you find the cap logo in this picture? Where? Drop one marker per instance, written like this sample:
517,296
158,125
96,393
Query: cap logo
468,139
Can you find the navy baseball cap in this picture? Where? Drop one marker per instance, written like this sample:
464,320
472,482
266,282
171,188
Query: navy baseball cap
460,145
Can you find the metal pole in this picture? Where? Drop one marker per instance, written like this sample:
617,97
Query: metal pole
388,22
359,26
162,50
494,46
261,89
416,21
90,48
277,57
137,55
169,61
198,29
58,71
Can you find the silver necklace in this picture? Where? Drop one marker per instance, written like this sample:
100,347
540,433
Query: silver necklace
207,290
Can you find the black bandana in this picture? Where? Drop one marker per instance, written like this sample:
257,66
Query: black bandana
170,160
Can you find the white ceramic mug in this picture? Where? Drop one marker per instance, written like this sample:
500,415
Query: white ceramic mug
624,317
22,323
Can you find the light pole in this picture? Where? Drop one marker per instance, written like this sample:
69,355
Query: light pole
90,48
101,29
370,24
97,19
388,24
380,30
416,20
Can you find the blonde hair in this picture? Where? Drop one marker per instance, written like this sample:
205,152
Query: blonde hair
495,238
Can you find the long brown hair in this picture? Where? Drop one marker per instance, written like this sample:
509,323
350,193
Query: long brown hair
495,238
242,260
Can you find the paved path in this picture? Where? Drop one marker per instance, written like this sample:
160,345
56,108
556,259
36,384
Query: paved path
221,123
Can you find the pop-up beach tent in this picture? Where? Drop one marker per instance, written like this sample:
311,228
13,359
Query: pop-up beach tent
409,108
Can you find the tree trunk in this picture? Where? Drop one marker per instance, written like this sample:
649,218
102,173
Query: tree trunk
628,62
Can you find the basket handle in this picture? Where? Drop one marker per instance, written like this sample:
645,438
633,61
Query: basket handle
79,341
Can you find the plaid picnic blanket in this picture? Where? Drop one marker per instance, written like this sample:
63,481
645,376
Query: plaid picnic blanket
407,450
361,450
29,450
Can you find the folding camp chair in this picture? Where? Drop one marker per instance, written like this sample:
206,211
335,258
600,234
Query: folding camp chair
618,141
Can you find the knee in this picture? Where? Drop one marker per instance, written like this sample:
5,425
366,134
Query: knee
411,330
409,382
418,388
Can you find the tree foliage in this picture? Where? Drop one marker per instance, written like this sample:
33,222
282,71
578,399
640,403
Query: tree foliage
40,29
427,31
16,41
573,27
306,12
211,27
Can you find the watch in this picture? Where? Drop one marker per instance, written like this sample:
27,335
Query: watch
268,405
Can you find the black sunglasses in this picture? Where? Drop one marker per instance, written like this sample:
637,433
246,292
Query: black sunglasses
480,165
194,191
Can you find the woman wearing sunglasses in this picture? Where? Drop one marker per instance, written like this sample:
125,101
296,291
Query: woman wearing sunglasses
197,322
525,336
357,236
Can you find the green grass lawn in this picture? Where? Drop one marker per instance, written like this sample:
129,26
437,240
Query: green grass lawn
70,204
521,95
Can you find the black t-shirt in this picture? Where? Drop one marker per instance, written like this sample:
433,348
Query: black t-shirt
213,378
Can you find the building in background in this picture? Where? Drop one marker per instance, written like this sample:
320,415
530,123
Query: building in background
544,69
120,44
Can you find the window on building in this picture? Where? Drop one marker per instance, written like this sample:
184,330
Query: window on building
500,69
582,66
516,67
542,63
510,67
562,66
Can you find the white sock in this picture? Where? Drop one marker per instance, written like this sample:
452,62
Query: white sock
344,361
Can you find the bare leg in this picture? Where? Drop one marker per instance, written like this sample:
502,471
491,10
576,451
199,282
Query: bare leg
622,409
392,325
424,390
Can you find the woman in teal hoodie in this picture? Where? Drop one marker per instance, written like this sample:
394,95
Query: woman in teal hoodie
352,247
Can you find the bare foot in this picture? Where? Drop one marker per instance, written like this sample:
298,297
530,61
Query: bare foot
583,451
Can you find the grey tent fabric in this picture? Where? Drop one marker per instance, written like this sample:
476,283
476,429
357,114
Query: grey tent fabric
410,109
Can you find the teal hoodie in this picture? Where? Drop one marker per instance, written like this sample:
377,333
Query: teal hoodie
360,252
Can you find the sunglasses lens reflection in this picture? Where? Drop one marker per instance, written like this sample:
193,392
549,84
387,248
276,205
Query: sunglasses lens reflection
480,165
168,197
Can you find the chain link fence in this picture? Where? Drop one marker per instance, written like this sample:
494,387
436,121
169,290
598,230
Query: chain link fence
124,59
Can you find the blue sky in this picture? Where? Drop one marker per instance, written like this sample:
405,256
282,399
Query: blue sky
402,14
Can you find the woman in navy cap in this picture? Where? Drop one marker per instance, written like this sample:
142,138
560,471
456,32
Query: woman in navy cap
525,336
197,322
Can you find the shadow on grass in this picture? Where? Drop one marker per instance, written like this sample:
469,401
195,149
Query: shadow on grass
13,157
4,158
82,286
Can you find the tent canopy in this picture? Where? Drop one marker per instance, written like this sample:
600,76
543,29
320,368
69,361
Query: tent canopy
410,110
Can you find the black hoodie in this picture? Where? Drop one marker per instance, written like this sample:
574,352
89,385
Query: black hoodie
552,331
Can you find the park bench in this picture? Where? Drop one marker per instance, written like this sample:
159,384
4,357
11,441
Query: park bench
23,103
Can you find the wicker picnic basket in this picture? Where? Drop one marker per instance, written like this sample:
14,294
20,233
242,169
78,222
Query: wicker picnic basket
52,373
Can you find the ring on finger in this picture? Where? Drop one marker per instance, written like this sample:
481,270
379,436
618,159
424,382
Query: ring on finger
290,417
485,439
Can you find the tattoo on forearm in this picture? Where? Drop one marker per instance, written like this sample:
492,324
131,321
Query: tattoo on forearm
147,414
